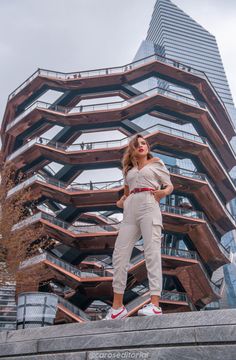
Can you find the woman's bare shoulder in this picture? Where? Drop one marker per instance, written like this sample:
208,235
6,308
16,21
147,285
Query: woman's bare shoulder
157,161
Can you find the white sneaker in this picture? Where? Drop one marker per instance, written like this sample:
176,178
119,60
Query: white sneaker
150,310
114,314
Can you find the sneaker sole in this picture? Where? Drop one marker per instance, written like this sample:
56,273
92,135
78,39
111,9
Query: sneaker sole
122,317
150,314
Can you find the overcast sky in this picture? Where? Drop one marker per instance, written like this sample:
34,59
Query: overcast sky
70,35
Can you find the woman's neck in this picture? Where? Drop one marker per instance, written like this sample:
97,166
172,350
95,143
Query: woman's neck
142,161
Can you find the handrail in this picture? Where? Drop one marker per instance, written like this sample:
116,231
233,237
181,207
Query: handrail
189,254
120,69
101,228
99,261
169,295
165,295
225,251
114,184
213,285
106,71
98,272
212,187
116,70
112,143
81,228
98,185
65,265
74,309
165,250
108,143
196,214
186,172
107,106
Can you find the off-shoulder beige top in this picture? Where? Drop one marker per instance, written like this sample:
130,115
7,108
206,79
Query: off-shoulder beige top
152,175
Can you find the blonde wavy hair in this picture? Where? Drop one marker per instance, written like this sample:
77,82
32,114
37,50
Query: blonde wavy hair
129,160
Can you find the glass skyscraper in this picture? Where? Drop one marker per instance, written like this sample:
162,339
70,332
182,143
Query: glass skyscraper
174,34
180,37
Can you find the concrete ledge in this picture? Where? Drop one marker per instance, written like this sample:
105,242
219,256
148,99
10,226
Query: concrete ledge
195,335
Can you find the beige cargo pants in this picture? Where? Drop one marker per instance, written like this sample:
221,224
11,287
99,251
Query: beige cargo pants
142,216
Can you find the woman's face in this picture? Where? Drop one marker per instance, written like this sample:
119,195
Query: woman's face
142,148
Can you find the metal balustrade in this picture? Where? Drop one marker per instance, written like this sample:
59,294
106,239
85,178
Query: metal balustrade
171,252
107,219
116,143
165,295
84,273
106,71
177,132
106,144
102,262
200,176
107,106
74,309
102,185
110,227
174,296
215,287
196,214
72,269
117,70
225,251
186,172
189,254
212,187
25,184
28,221
138,301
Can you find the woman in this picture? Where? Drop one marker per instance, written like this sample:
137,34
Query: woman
143,177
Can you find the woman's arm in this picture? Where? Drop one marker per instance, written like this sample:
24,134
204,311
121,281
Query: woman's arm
120,203
126,190
168,189
163,175
159,194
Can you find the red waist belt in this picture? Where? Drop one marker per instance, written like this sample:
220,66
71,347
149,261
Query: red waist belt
135,190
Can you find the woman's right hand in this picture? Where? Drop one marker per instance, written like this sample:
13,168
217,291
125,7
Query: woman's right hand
120,202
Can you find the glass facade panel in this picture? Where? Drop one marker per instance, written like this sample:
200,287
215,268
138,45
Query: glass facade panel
175,35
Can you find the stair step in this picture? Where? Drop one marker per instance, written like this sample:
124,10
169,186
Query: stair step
195,335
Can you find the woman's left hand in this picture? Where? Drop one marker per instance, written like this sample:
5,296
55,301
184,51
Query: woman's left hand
158,194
